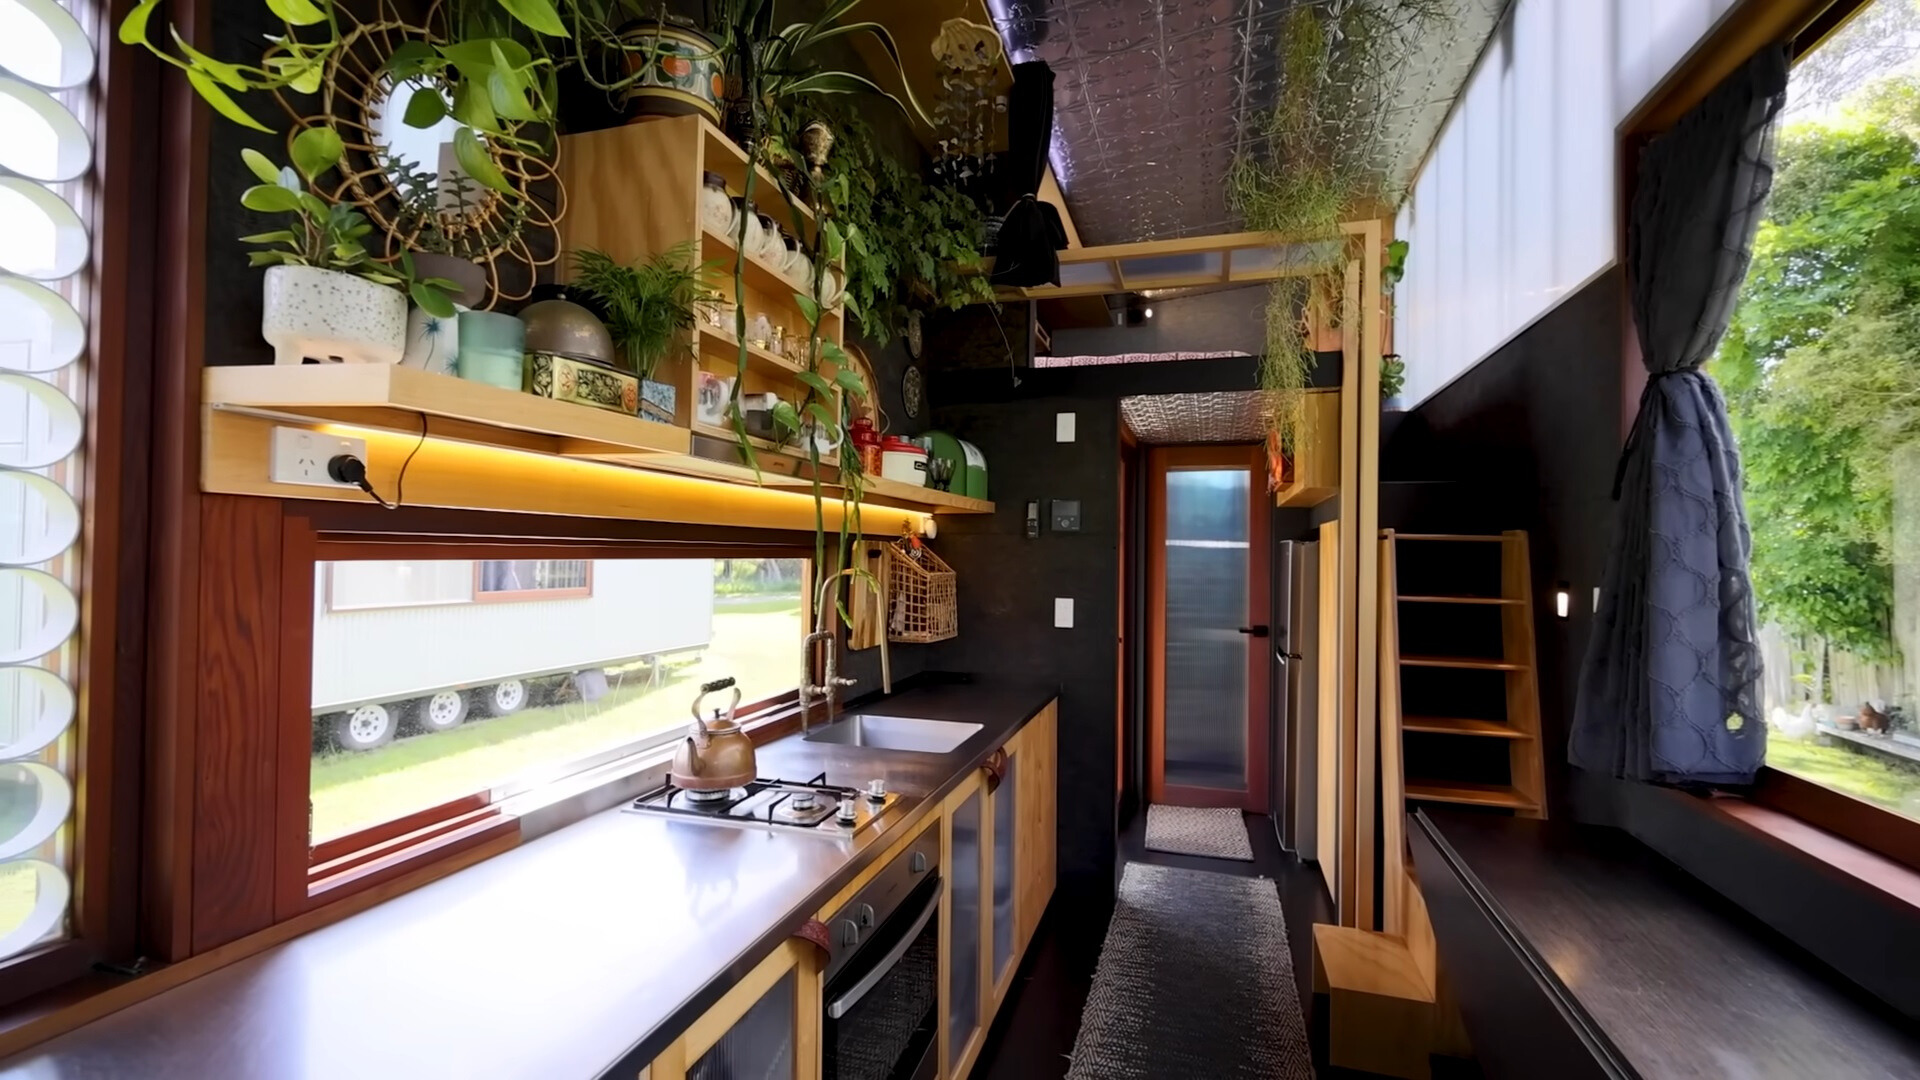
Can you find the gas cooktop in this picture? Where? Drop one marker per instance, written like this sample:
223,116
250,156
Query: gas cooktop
814,806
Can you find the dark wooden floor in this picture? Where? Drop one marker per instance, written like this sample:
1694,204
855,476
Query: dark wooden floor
1034,1032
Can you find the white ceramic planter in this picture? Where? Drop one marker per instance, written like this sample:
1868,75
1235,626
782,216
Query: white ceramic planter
332,316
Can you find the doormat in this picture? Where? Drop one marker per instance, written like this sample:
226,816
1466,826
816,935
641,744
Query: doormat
1190,830
1194,980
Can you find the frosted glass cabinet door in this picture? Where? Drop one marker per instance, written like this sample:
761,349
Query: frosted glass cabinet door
759,1046
1208,583
1005,811
963,918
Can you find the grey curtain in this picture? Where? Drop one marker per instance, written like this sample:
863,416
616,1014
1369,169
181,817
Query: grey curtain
1669,691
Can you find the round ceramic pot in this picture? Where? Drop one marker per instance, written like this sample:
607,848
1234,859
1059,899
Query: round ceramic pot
331,316
469,275
676,70
432,342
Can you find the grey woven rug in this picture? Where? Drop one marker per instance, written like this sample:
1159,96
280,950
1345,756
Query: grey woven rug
1194,981
1190,830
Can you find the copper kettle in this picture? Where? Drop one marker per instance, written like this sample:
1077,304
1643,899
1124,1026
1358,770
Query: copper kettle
717,755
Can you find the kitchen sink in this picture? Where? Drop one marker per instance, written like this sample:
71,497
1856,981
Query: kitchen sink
896,733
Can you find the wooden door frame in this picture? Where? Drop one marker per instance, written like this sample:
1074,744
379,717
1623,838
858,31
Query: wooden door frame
1160,460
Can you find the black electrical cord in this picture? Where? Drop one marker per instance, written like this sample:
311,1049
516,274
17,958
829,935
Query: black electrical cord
348,469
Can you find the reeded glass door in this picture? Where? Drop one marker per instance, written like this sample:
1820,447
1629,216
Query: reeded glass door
1207,614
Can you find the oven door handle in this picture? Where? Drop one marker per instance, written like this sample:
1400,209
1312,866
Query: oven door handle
841,1005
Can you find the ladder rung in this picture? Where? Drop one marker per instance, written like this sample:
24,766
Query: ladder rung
1473,662
1461,725
1457,600
1455,791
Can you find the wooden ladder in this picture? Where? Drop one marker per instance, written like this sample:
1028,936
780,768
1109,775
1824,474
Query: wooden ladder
1525,790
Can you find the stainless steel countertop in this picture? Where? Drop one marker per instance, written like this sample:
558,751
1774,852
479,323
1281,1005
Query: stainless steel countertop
578,953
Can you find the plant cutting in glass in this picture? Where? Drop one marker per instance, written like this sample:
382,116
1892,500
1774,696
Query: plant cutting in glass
326,236
649,307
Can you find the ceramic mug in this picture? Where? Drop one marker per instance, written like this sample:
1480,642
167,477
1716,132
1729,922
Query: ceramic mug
492,349
711,406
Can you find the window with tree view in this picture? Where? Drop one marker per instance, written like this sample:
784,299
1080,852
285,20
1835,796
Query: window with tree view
435,680
1821,370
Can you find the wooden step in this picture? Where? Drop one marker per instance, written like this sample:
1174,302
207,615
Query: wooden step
1448,537
1459,791
1472,662
1461,725
1457,600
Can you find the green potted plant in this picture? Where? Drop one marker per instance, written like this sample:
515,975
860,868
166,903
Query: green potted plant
326,298
649,309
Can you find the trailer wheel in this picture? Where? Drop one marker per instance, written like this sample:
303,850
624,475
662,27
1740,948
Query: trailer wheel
442,712
364,727
504,698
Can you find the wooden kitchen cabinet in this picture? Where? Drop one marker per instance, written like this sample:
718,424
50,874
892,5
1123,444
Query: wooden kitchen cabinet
965,932
1035,804
767,1025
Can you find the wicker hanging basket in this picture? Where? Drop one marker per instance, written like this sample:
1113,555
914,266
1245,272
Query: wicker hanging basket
922,602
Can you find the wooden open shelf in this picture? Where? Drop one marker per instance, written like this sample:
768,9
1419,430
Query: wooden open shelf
1474,663
394,398
1456,791
1313,473
720,345
759,274
886,492
1461,725
400,400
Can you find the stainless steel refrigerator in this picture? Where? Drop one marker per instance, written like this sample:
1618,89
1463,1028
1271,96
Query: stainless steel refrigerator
1292,741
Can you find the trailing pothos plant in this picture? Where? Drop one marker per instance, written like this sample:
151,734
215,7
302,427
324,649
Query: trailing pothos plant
493,86
909,242
766,65
323,235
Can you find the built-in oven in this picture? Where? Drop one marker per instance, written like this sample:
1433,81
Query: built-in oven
883,973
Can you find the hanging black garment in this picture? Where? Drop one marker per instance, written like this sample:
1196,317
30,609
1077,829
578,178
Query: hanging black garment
1031,233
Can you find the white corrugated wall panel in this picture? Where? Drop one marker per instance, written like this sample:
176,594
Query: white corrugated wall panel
1515,209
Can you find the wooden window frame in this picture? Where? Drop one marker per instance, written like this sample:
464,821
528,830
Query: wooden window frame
124,208
307,875
522,596
1750,27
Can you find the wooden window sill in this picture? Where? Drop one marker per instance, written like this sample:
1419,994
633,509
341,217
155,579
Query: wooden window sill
1868,867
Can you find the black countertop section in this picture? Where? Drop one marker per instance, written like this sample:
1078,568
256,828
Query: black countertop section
1680,982
580,953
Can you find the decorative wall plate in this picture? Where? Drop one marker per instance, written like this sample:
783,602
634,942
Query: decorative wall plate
913,392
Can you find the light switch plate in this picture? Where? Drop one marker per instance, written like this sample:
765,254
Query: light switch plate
1063,612
1063,427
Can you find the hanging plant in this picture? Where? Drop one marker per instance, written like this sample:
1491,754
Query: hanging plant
1318,155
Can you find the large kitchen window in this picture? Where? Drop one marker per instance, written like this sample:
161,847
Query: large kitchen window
440,680
1821,368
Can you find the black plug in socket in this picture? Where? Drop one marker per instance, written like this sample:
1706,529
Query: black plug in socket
347,469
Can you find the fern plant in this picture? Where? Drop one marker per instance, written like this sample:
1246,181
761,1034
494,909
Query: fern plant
648,307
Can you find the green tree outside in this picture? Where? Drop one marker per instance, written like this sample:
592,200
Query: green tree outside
1821,367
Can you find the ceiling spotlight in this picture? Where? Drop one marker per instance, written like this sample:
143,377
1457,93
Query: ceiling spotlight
1148,313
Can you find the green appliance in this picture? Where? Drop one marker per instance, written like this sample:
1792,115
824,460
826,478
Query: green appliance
969,465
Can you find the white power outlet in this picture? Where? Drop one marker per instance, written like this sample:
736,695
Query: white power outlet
300,456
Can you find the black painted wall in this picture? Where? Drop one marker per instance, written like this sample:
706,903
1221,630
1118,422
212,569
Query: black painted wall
1008,583
1527,439
1228,321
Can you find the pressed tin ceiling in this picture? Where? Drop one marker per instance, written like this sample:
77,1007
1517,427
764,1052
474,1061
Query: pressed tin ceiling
1237,416
1153,99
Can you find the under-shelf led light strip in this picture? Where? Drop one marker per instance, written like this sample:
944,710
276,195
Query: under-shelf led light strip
46,155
